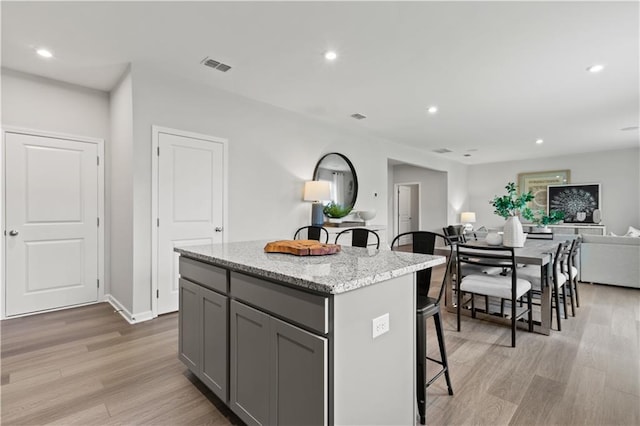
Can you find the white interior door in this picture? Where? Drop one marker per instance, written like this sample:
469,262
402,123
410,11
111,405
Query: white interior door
404,212
190,205
51,223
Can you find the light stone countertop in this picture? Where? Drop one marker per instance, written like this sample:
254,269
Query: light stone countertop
350,269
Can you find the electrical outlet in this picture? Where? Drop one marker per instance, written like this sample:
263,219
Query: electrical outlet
380,325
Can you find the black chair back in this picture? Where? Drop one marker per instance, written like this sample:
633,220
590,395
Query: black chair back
454,234
424,242
318,233
360,237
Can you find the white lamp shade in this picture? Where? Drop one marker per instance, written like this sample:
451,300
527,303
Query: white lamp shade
317,190
468,217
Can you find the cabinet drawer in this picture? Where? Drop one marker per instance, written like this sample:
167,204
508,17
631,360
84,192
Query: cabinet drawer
307,309
204,274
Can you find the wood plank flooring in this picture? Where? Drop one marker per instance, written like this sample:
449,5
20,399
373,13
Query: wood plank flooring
87,366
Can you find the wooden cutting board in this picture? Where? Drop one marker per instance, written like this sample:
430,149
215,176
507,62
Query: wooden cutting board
301,247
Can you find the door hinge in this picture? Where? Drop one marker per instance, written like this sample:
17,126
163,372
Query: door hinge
98,282
98,221
158,151
157,294
158,222
98,160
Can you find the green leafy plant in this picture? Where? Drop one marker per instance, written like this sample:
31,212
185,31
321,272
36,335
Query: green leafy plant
554,216
336,211
513,204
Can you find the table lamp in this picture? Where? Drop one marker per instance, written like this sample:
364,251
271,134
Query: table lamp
317,191
467,218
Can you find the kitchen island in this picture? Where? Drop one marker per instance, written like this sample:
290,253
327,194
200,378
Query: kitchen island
283,339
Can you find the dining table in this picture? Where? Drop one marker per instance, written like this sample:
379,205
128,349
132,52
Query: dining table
535,253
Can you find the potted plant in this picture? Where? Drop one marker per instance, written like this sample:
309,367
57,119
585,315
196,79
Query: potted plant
543,220
335,212
511,207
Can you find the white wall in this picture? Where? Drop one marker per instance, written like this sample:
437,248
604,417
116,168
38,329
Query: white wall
271,153
433,196
48,105
618,172
120,192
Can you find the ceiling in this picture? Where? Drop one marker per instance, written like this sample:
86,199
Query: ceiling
502,74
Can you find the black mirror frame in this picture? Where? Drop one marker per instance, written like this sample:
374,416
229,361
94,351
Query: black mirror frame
353,171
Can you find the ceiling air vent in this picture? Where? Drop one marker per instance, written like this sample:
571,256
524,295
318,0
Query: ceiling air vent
358,116
212,63
442,150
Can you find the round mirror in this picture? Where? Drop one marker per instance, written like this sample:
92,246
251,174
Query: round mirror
338,170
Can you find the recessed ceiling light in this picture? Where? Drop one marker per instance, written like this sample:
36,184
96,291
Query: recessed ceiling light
539,141
595,68
432,109
44,53
330,55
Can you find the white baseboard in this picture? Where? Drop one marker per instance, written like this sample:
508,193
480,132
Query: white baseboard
131,318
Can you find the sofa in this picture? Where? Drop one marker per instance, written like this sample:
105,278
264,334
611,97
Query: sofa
611,260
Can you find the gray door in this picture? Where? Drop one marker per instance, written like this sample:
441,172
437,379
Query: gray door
214,342
249,363
298,376
189,323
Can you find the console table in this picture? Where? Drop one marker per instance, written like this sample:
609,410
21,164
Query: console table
572,228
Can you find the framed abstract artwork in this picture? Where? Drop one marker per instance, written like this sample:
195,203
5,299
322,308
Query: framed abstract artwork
577,202
537,183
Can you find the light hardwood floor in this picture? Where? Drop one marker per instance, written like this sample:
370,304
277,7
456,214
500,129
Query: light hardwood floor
87,366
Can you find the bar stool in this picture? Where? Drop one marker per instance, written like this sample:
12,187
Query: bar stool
424,242
313,233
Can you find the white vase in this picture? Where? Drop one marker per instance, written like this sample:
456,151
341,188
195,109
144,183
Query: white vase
513,235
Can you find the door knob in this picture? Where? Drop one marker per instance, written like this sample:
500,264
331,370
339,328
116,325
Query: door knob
218,229
13,232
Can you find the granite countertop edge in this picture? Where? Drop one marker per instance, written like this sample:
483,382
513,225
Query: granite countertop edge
342,287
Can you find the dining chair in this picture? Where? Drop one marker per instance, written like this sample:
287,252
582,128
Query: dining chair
454,234
571,269
558,277
425,242
360,237
509,287
312,233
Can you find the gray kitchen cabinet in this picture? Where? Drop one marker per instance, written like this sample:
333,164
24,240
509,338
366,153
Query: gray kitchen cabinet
249,364
278,371
214,342
203,325
299,394
189,320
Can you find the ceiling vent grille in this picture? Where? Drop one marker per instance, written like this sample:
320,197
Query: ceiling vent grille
217,65
358,116
442,150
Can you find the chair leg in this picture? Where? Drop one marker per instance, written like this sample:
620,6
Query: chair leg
473,305
459,297
421,357
573,298
556,296
575,285
513,322
443,351
530,316
564,301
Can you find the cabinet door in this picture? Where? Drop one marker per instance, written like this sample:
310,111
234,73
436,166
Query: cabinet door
249,364
298,371
189,323
214,342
